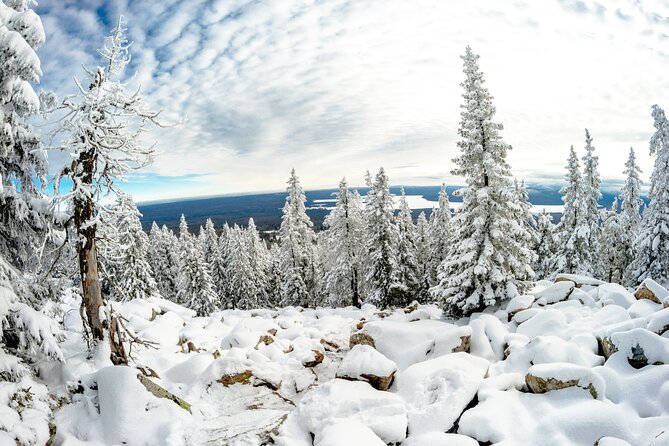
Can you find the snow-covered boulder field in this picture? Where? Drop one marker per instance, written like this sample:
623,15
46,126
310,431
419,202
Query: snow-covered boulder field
576,362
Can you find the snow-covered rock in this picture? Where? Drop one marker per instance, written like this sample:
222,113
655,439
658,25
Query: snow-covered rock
651,290
557,292
542,378
436,391
347,433
365,363
578,279
615,294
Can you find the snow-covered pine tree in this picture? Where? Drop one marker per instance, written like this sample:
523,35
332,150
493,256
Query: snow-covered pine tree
423,259
24,215
407,263
297,240
525,216
260,263
573,253
630,216
224,247
343,249
487,263
195,288
612,254
163,256
383,286
274,276
244,291
591,197
127,249
212,255
652,245
544,248
440,234
103,128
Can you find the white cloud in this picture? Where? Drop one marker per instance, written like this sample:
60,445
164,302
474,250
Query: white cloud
335,87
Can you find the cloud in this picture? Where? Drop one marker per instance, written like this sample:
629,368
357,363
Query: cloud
335,87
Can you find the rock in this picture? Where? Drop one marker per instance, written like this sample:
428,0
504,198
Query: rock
236,378
653,291
360,338
542,378
658,322
557,292
318,358
328,345
519,303
264,339
364,363
578,280
160,392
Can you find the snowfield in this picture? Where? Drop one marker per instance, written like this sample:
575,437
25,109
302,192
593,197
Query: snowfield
568,364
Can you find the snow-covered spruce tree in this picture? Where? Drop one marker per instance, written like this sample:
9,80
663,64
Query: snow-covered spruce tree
487,262
274,276
245,291
423,259
383,286
573,252
630,216
24,208
212,255
260,263
441,235
195,289
103,128
343,249
612,254
297,240
544,248
163,256
591,197
525,216
127,248
408,271
652,245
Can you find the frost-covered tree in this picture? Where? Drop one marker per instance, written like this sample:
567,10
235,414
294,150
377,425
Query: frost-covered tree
407,252
487,263
423,259
274,276
440,234
260,263
383,286
297,240
163,256
195,288
630,216
212,255
574,253
591,197
612,254
24,208
244,291
126,247
529,237
652,245
102,130
343,249
544,247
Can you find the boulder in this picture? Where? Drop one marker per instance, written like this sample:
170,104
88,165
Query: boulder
557,292
360,338
653,291
317,359
364,363
542,378
578,280
641,347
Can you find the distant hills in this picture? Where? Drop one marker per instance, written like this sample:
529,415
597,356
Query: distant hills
265,208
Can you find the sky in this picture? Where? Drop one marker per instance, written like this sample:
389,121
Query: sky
335,87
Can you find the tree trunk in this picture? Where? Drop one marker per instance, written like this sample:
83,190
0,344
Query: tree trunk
88,260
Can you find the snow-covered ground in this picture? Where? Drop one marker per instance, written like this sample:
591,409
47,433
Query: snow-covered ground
565,365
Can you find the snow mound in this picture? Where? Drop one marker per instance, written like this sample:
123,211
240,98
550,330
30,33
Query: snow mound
365,363
347,433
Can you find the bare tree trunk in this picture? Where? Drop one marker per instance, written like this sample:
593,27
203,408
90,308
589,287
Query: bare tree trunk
88,261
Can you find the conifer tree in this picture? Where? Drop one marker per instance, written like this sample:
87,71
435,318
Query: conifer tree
383,286
441,235
407,252
212,255
574,253
525,217
260,263
630,216
612,254
195,288
486,263
651,258
423,259
343,249
545,246
163,256
297,239
591,197
244,290
127,247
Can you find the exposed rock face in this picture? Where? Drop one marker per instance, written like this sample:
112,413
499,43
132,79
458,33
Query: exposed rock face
364,363
464,345
542,385
265,339
360,339
644,292
161,392
542,378
318,358
236,378
653,291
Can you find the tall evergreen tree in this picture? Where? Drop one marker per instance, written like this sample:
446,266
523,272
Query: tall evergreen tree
591,197
630,216
529,237
297,239
383,286
163,256
574,253
441,235
212,255
612,254
244,290
423,259
652,246
486,263
545,246
260,263
195,288
343,250
407,251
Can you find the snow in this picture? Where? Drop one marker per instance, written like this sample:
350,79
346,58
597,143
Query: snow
365,360
347,433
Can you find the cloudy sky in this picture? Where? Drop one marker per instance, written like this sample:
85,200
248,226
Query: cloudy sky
336,87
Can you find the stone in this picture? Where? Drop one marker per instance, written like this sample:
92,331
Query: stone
318,358
243,377
360,338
